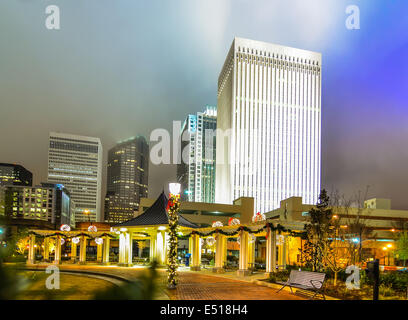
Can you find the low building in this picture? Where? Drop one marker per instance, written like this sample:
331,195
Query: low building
377,215
15,175
46,206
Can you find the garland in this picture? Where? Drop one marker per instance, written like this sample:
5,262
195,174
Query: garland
172,265
278,228
70,237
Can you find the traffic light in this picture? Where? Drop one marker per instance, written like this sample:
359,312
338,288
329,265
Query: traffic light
373,273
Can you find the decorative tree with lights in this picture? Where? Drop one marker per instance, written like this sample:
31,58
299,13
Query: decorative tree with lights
173,209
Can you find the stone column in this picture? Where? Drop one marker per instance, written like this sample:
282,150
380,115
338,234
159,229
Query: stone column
57,256
31,249
195,253
251,251
161,248
284,251
106,250
220,249
129,249
47,249
152,247
243,254
73,251
271,253
122,249
99,249
82,250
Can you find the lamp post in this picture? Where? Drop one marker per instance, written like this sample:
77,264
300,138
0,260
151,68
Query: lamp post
173,209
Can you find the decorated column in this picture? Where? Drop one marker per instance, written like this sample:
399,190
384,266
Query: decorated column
106,250
82,250
57,256
270,251
46,249
173,208
195,253
31,249
220,253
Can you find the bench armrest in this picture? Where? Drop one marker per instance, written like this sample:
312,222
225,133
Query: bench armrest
321,282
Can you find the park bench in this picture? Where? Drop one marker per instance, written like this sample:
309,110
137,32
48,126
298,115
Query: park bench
305,280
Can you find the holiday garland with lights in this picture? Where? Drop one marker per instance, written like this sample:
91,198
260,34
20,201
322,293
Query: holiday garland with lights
173,208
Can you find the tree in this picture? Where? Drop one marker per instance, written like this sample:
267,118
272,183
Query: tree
401,251
318,230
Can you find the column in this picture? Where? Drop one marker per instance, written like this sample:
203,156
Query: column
122,249
195,253
73,251
271,253
243,254
82,250
129,249
57,255
284,251
106,250
251,252
161,248
220,249
99,249
46,249
152,247
31,249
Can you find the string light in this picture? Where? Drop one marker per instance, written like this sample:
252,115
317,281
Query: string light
173,208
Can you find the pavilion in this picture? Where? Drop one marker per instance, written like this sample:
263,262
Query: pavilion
152,226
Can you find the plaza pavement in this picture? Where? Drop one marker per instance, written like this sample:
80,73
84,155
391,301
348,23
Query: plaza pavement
202,285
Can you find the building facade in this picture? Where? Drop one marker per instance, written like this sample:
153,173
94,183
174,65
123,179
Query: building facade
127,182
196,172
15,175
48,203
76,162
269,116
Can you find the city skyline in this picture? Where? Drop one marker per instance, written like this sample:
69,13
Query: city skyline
362,92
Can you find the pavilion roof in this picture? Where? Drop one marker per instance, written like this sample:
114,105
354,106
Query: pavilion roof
156,215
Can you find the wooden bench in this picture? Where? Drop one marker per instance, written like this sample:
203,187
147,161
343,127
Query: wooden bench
305,280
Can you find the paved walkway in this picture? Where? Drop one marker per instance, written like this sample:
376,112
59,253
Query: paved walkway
203,285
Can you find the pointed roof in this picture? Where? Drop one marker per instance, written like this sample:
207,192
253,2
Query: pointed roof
156,215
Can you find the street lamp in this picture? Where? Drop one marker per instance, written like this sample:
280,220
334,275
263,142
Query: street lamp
173,209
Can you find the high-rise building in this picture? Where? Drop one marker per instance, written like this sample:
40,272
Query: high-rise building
128,171
76,162
47,203
269,97
196,173
15,175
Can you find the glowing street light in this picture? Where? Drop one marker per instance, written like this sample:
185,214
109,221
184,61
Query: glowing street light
174,188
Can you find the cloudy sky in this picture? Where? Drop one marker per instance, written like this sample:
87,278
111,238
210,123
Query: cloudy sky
120,68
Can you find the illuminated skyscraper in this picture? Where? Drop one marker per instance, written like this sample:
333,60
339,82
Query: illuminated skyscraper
269,97
128,172
197,174
76,162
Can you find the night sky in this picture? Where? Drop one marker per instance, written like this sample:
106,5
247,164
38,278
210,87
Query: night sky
120,68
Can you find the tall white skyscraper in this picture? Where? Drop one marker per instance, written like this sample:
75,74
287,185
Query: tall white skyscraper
76,162
269,98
